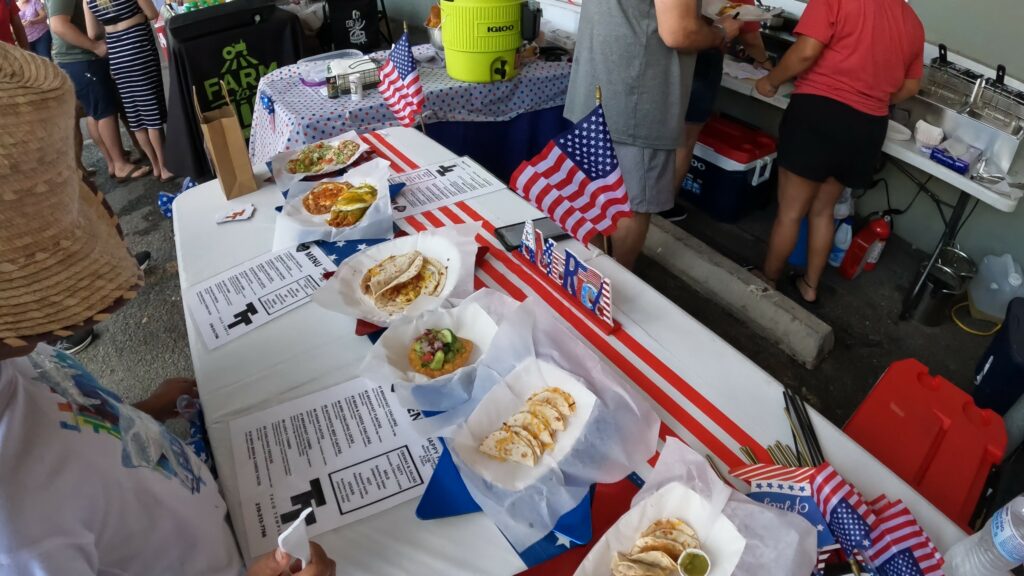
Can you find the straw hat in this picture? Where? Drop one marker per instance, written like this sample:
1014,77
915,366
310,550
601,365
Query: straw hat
63,263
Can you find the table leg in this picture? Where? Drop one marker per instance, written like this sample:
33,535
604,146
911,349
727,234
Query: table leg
947,238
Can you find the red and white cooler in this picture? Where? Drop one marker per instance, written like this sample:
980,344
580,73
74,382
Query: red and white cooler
731,170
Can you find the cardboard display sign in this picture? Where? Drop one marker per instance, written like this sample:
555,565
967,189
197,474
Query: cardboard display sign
585,286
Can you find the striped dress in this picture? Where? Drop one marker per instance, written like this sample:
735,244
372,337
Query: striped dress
134,64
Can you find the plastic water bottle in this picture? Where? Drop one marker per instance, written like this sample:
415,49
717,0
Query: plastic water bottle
995,549
844,207
844,237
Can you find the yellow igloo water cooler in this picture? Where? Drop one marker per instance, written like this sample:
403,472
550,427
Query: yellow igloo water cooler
481,38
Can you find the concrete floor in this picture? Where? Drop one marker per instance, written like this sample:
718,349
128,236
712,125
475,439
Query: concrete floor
863,313
144,342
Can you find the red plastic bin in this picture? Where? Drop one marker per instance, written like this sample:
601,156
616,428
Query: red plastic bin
931,434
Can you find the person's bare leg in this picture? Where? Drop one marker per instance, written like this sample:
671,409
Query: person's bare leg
94,132
685,152
79,144
820,236
111,137
141,139
628,238
156,138
795,197
131,135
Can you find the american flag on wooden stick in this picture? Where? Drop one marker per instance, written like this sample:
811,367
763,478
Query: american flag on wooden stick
400,83
900,547
847,515
576,180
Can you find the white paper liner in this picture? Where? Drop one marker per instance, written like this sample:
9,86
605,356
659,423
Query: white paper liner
719,538
501,403
285,179
774,538
294,225
454,246
476,319
619,435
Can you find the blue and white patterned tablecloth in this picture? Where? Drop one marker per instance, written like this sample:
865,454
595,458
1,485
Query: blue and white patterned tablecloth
302,115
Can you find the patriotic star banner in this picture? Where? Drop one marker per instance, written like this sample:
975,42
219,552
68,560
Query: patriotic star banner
880,533
789,489
576,180
400,83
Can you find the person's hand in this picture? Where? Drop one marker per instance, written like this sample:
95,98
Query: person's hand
731,26
766,65
278,562
99,48
765,87
162,404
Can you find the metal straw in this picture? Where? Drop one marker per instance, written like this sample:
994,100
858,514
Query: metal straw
714,467
748,454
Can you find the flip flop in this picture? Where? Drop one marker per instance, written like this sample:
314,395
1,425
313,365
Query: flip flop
166,180
795,280
134,174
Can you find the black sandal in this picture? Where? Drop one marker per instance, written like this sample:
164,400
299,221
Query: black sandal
795,280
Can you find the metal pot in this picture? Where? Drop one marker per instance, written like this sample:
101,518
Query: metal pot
435,38
954,259
941,288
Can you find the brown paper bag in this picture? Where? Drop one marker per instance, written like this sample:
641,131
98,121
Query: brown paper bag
225,147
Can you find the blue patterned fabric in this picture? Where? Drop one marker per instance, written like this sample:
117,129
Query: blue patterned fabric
303,115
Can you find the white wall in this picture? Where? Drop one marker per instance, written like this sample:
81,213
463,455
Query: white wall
987,31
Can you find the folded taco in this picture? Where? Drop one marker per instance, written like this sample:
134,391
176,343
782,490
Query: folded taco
425,277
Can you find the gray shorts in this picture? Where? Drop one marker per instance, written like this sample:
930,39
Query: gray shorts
649,174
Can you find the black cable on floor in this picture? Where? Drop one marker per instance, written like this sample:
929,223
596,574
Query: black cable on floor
890,211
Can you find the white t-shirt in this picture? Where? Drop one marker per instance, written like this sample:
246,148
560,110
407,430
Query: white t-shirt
89,485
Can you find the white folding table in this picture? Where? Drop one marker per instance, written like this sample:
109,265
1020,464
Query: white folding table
907,152
707,393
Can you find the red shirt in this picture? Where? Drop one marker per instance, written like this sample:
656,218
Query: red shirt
8,11
871,47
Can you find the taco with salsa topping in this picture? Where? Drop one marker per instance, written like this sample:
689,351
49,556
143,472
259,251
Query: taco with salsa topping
436,353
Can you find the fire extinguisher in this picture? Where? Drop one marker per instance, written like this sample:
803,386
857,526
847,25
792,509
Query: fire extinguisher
866,247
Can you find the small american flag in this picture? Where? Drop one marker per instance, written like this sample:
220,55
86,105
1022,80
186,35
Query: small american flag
900,547
847,515
400,83
576,180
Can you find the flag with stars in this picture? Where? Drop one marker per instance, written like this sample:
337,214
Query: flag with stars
900,547
400,83
576,180
340,250
846,514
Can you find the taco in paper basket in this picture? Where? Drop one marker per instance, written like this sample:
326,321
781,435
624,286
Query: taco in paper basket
532,431
435,353
658,551
321,156
396,281
346,203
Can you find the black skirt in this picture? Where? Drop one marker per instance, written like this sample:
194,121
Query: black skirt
822,138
